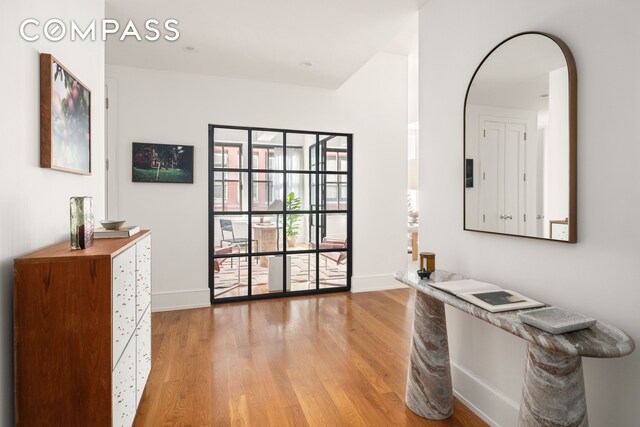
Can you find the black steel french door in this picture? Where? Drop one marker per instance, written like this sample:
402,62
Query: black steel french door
280,212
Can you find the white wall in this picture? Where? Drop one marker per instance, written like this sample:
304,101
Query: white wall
34,202
168,107
413,61
599,275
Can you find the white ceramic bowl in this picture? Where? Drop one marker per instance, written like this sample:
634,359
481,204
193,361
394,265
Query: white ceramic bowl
112,224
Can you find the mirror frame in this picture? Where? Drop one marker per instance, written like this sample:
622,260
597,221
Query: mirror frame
573,139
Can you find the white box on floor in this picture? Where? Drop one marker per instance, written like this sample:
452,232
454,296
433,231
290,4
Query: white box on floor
275,273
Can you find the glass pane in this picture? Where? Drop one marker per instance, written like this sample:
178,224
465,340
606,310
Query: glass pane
332,161
269,188
229,148
334,155
335,229
232,230
267,234
229,191
333,192
315,229
301,151
312,157
333,269
313,193
337,142
303,272
301,232
342,196
260,276
268,148
300,191
218,157
270,277
229,274
255,192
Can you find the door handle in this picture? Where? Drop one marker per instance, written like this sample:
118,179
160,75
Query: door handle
506,217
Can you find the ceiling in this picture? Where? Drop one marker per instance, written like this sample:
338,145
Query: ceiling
268,40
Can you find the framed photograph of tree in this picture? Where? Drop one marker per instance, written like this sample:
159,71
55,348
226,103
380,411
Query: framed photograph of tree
65,119
162,163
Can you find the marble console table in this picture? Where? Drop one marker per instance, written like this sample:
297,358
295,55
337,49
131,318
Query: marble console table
553,391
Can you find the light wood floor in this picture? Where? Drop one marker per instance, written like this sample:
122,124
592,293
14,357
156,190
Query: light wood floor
331,360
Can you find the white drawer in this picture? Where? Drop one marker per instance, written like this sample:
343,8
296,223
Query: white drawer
143,271
123,301
124,388
143,353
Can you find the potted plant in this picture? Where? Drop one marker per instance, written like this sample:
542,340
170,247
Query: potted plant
293,203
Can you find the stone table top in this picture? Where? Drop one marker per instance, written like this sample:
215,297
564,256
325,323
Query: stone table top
601,340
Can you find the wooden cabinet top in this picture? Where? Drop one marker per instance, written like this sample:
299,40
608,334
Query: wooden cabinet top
102,248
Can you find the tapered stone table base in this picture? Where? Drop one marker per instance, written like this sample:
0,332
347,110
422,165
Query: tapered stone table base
429,390
553,391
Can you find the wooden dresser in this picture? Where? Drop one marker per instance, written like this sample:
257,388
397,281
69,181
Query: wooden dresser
82,322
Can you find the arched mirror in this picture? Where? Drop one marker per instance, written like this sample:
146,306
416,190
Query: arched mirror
520,140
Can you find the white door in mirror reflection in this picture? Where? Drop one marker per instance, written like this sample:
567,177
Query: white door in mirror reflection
502,170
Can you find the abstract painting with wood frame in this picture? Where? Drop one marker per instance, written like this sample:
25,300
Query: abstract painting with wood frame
65,119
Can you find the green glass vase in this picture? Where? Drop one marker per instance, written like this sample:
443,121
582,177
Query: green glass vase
81,222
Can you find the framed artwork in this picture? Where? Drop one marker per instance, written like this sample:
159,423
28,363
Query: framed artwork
468,173
162,163
65,119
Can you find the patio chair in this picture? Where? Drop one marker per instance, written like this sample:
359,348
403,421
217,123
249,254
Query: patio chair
338,257
229,236
217,262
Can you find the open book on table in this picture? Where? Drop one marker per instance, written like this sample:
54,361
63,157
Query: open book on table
486,295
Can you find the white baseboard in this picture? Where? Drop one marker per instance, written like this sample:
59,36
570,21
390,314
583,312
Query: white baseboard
198,298
485,401
180,300
381,282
